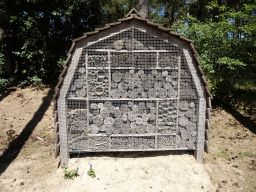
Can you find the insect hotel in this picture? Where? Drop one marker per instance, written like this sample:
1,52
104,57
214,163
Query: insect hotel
132,86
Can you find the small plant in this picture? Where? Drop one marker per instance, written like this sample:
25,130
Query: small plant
248,154
146,171
10,135
70,174
91,172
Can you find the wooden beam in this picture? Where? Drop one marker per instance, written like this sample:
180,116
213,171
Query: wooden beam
206,146
206,134
208,114
208,92
209,103
59,83
200,70
56,94
57,152
63,72
71,48
193,49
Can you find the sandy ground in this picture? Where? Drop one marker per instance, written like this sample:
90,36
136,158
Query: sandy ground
27,161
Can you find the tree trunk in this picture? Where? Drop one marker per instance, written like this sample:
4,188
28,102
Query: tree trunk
143,7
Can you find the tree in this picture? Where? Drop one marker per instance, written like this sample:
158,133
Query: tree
39,33
143,7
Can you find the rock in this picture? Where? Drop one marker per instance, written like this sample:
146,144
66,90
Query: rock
202,187
236,166
236,184
219,185
225,181
22,183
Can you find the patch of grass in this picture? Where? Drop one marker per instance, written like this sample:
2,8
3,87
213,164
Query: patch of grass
46,135
248,154
32,145
43,157
222,154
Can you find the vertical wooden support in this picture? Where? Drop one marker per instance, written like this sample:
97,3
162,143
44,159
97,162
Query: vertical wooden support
198,153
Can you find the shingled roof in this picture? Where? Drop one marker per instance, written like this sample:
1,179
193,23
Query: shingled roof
133,15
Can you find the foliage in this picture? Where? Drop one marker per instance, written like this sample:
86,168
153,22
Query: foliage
70,174
91,172
5,83
225,45
39,33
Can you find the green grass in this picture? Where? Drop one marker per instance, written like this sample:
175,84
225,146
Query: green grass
246,154
222,154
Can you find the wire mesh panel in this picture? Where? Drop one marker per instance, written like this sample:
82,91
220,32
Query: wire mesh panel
132,91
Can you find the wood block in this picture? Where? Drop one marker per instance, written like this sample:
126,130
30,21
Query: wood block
207,125
208,114
57,152
206,134
55,117
209,103
206,146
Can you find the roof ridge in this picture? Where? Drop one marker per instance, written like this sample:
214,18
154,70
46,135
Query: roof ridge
132,11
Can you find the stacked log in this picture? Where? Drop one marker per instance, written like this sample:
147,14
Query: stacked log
98,84
144,84
186,137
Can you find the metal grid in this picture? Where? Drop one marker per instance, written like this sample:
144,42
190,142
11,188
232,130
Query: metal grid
132,91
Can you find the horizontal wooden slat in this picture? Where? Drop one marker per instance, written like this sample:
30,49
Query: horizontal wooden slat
175,34
103,28
113,24
91,33
165,29
154,24
186,39
206,146
79,38
141,19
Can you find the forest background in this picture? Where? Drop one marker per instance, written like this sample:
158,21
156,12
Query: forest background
35,36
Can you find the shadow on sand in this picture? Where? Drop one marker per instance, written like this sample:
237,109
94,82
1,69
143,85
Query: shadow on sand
16,145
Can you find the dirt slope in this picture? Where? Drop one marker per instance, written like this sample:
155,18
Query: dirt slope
27,160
